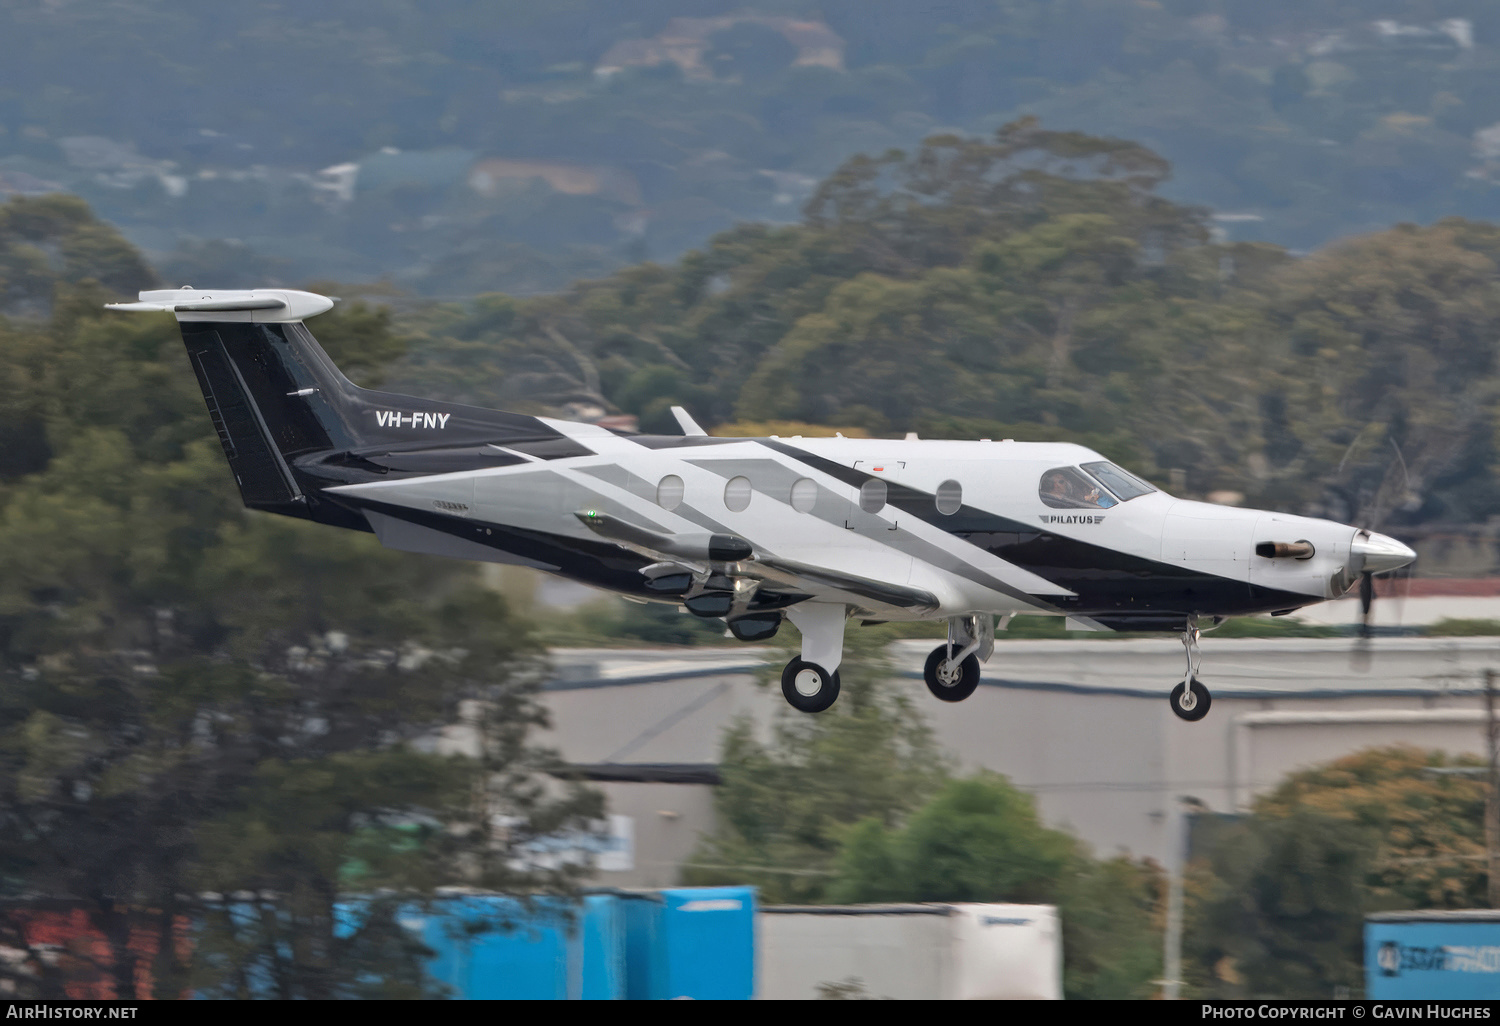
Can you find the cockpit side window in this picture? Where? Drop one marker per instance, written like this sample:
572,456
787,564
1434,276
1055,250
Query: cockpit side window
1067,488
1123,483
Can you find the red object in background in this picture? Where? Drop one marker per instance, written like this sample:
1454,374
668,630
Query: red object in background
84,955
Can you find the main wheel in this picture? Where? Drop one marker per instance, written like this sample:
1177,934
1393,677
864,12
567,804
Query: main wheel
1190,701
808,687
949,682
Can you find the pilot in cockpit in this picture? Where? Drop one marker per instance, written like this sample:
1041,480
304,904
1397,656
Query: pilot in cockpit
1065,488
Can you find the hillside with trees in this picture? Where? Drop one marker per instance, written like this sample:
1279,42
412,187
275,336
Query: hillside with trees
1036,285
467,148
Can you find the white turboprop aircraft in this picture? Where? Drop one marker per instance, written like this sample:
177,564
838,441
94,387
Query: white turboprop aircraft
753,530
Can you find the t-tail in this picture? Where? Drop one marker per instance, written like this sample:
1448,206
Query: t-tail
287,417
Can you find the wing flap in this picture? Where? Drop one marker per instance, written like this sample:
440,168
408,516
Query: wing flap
790,573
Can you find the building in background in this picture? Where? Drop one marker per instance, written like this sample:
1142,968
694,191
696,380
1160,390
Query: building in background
1082,725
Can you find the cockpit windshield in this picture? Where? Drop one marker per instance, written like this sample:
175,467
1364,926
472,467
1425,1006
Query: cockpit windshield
1067,488
1123,483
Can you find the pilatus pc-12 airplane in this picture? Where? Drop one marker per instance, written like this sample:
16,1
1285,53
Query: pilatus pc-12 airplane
753,530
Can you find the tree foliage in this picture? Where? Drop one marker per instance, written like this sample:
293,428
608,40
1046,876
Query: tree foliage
858,805
1279,899
787,801
1035,285
980,840
209,715
675,120
1281,916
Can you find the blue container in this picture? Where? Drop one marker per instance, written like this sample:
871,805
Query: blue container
645,959
695,942
602,948
691,942
1437,955
489,947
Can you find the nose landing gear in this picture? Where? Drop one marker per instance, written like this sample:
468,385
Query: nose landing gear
1190,699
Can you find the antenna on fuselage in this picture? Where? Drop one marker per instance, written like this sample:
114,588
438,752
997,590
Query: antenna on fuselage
687,423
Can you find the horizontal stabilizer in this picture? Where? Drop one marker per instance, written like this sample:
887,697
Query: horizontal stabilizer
242,304
272,305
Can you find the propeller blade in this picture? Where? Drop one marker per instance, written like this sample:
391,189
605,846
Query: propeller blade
1359,658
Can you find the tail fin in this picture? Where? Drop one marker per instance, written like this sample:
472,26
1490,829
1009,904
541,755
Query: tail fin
278,401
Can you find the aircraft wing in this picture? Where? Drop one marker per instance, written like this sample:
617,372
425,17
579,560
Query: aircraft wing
774,572
788,574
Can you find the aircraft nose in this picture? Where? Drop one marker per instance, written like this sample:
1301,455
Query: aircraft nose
1376,553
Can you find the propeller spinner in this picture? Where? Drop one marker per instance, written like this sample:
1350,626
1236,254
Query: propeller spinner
1372,554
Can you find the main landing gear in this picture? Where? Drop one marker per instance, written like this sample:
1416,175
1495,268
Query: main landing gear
952,670
1190,699
808,687
810,683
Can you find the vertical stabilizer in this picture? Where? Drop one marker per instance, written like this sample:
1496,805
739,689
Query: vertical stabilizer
279,403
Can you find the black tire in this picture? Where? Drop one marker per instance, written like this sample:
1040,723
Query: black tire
803,700
1190,702
955,690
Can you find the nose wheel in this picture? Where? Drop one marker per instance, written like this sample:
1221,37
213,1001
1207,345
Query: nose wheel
1190,699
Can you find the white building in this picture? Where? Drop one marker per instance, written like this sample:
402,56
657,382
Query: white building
1082,725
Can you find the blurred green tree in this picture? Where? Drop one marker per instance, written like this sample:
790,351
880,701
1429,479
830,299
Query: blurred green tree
1279,910
1385,357
1278,900
786,803
980,840
199,702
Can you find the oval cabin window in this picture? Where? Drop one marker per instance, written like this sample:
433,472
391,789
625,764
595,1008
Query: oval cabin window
872,496
804,495
737,494
950,497
669,492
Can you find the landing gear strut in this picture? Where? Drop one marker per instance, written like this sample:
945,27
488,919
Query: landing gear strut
1190,699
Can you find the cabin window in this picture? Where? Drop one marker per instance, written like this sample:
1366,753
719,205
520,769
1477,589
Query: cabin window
737,494
669,492
950,497
872,496
1123,483
1067,488
804,494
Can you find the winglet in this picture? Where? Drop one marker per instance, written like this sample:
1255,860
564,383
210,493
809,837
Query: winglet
687,423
